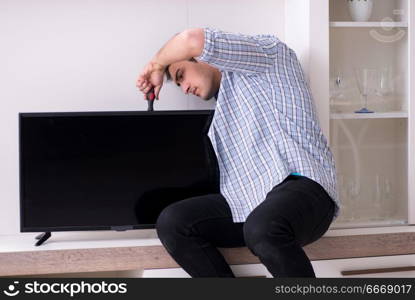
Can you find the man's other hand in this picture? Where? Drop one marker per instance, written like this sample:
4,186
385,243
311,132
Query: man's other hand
151,77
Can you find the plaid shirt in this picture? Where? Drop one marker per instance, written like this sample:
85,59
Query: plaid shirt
264,126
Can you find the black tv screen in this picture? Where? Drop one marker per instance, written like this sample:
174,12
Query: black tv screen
111,170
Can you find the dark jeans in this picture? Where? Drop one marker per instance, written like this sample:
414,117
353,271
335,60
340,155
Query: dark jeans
296,212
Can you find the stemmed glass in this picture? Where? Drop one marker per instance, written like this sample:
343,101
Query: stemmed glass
385,82
367,80
352,190
337,86
387,198
385,87
339,91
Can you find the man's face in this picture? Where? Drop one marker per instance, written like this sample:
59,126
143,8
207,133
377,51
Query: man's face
199,78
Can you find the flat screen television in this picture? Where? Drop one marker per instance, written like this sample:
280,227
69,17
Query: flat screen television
111,170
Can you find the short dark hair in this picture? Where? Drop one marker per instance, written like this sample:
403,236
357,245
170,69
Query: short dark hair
168,75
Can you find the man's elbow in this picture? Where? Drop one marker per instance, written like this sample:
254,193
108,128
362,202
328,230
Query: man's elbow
195,38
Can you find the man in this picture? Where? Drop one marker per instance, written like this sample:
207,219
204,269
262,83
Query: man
277,173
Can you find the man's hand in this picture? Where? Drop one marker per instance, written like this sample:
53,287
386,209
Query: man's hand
151,77
182,46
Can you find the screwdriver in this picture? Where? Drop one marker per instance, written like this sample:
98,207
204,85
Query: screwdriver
150,96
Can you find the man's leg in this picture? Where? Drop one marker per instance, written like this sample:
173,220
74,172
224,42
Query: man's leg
191,230
295,213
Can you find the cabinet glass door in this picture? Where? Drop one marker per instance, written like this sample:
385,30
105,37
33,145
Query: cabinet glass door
369,92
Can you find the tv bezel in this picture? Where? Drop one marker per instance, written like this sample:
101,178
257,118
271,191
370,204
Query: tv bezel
22,115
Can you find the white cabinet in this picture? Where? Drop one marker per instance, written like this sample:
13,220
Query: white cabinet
382,266
249,270
355,65
165,273
369,118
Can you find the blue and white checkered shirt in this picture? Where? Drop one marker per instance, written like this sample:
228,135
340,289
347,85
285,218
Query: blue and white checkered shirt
264,126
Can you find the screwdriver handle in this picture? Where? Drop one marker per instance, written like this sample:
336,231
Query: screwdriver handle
150,96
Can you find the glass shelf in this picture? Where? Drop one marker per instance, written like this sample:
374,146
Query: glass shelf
370,24
342,224
375,115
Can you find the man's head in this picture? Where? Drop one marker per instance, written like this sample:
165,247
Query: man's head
198,78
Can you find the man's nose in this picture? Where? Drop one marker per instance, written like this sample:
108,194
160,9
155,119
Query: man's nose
185,87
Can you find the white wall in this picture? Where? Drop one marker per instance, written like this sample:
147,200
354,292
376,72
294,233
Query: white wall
85,55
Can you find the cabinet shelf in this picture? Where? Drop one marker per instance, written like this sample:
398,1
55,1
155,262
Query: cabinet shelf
375,115
339,224
370,24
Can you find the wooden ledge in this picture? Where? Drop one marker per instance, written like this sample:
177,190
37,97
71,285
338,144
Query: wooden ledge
155,256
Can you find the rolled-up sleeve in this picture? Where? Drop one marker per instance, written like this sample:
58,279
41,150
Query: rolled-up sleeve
239,52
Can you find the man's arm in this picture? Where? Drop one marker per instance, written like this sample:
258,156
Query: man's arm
237,52
182,46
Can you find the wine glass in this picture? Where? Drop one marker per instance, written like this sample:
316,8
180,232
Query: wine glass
383,200
341,188
385,87
336,88
366,79
352,190
377,199
387,198
385,82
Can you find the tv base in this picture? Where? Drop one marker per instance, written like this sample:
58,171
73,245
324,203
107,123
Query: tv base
42,238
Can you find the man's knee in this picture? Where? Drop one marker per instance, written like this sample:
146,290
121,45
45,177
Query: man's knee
172,223
171,220
263,235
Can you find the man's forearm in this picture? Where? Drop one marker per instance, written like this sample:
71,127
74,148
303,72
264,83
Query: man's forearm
182,46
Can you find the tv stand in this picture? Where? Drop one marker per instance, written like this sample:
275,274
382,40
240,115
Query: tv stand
102,251
42,238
